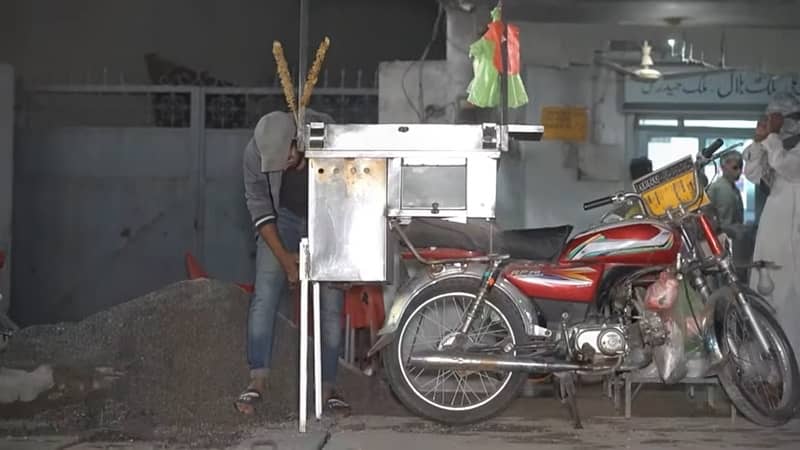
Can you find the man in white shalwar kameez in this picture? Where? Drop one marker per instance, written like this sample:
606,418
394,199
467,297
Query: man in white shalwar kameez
774,159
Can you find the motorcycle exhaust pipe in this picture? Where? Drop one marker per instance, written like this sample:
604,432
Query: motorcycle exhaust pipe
464,361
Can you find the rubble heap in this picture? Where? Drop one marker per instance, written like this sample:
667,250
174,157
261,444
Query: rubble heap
175,357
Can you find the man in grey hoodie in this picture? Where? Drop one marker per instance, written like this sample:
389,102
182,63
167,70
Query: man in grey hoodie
276,190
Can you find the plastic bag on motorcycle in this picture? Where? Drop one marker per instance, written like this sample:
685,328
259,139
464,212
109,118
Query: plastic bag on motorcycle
685,318
662,299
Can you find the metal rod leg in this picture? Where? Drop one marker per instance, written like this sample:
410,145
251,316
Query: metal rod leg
352,333
303,375
303,354
347,338
710,396
628,398
317,354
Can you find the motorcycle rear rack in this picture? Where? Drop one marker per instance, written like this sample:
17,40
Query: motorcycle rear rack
395,226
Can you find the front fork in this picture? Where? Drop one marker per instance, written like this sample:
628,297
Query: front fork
724,259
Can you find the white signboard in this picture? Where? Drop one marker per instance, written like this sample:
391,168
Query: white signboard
731,88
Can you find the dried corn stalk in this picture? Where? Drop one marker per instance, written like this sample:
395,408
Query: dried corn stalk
313,74
285,76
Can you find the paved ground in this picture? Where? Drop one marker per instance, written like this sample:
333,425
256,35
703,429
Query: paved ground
379,433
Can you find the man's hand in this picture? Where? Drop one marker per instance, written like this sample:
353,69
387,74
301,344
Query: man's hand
761,131
290,263
774,122
295,160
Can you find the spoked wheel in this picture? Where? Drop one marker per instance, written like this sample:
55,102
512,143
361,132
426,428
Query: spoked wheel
454,396
762,386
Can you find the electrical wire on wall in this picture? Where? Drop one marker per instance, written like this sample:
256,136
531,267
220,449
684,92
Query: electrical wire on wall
420,110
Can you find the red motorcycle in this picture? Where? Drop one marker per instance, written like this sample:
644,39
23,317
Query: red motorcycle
468,327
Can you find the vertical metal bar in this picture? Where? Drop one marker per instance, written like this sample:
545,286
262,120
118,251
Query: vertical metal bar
317,353
303,388
347,337
628,398
504,87
302,63
197,139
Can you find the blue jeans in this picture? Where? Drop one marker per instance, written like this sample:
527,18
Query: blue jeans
271,290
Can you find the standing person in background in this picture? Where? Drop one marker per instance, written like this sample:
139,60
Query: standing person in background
774,159
276,190
723,193
638,168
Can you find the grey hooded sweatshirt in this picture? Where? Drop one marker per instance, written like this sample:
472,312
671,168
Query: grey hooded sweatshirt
265,159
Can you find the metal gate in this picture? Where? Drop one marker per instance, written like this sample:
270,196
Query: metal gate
114,184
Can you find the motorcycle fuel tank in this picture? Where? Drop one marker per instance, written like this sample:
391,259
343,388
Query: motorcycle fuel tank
569,282
640,243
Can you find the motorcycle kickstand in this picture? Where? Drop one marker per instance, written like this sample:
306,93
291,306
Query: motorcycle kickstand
566,390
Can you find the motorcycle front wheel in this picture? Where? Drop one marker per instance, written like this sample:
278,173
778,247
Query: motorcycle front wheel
764,388
454,396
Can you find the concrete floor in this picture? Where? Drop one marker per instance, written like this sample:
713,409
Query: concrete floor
378,433
663,418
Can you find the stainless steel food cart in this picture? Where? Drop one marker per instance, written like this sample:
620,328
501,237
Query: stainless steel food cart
361,177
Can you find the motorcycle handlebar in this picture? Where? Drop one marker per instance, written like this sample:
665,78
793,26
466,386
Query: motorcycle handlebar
603,201
705,156
716,145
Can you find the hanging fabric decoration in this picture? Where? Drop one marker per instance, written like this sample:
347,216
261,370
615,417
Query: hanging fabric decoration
487,65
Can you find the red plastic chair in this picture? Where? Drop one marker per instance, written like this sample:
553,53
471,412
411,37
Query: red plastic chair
196,271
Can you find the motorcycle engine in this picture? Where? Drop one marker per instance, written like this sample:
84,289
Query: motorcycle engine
598,341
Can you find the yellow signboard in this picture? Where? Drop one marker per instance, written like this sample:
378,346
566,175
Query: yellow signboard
670,187
565,123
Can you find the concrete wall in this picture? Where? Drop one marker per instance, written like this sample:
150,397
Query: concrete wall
559,177
6,176
62,40
106,214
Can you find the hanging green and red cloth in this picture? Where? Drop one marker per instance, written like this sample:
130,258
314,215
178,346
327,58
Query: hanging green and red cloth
487,64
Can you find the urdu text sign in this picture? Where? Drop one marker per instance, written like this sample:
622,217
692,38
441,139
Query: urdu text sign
717,88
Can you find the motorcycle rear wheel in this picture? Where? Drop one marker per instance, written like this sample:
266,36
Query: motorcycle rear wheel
733,374
401,375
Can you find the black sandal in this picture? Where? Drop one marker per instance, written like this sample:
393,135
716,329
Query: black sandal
337,404
249,397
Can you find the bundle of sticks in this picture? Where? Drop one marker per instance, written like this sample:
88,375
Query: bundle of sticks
298,108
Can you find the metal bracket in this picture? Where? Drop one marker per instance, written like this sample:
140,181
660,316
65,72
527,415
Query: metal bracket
490,137
541,331
316,135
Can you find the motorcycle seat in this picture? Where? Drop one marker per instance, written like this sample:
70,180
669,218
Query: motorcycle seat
537,244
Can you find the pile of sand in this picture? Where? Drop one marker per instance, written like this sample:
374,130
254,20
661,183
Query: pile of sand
175,357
